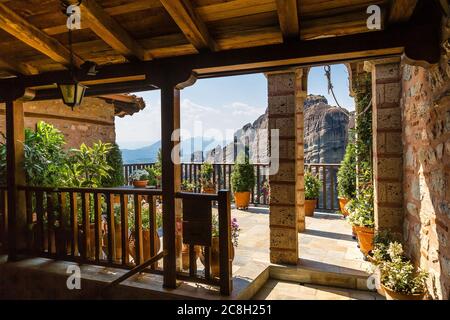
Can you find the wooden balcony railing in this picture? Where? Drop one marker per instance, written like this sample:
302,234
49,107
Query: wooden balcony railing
118,227
190,172
3,220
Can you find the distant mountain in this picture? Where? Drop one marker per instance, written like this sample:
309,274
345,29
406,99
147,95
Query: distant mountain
150,153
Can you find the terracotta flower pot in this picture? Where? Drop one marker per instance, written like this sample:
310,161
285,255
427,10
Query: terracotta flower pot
185,255
392,295
146,244
210,189
140,183
310,206
342,203
242,199
365,239
215,257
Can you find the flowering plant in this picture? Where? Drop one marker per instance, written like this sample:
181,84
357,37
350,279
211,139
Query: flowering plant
139,175
234,229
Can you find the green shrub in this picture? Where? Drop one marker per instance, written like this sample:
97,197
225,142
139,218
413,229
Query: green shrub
361,209
187,186
88,167
312,186
243,175
398,273
114,159
153,176
346,176
44,156
207,175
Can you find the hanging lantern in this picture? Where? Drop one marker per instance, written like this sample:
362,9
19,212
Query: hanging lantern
72,93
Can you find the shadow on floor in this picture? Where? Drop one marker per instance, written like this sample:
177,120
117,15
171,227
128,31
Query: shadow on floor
327,267
327,234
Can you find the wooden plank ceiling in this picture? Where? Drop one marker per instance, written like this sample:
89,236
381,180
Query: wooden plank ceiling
34,37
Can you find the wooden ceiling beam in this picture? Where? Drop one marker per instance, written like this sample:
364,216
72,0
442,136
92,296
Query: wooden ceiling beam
14,67
104,26
35,38
288,17
190,23
401,10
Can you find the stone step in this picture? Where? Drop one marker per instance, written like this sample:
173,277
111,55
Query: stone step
304,275
284,290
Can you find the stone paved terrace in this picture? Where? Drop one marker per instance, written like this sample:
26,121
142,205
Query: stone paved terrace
326,245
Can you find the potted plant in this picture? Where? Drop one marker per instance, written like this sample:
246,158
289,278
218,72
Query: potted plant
399,279
362,218
145,231
346,179
242,182
139,178
206,178
187,186
153,176
215,257
312,192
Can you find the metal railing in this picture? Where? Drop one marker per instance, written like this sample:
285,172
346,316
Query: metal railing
190,172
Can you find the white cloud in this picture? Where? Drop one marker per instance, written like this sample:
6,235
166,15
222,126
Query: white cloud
144,127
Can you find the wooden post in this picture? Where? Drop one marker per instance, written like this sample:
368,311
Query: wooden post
170,121
225,262
15,138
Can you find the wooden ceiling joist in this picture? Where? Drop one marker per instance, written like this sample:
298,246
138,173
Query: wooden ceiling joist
190,23
15,67
35,38
401,10
106,28
288,16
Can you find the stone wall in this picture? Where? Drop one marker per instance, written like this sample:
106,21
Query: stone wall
426,140
88,123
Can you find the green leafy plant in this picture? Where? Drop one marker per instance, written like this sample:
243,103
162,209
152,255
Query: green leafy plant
139,175
243,175
114,160
87,167
3,161
346,176
207,175
361,209
398,273
153,176
156,170
312,186
188,186
381,243
44,156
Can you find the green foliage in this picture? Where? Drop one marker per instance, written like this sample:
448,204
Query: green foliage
361,209
399,274
156,171
243,175
346,176
114,159
139,175
312,186
207,175
88,167
153,176
188,186
44,156
381,243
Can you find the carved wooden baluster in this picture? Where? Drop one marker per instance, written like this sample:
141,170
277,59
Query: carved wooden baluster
111,228
139,254
85,214
98,225
74,224
124,223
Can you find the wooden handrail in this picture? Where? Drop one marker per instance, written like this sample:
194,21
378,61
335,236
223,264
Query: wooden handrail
135,270
130,191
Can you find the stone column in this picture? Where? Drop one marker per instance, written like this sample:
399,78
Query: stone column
387,146
286,99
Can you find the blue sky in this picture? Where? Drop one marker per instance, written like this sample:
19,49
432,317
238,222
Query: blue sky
217,107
